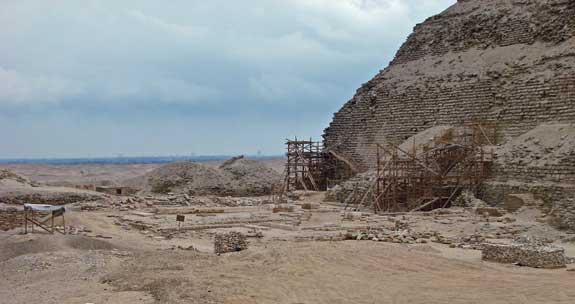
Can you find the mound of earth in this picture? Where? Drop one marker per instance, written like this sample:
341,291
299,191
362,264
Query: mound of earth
17,190
6,174
544,145
252,177
236,177
17,246
185,176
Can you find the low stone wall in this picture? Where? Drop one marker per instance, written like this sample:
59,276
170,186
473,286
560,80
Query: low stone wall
11,218
62,198
230,242
525,255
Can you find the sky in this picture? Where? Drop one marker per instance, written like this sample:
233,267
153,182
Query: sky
97,78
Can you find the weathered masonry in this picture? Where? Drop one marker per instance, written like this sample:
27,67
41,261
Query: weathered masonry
504,62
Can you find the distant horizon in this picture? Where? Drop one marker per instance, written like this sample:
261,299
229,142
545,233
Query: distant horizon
127,159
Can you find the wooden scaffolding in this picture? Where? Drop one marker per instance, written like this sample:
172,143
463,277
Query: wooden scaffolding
433,176
304,165
310,167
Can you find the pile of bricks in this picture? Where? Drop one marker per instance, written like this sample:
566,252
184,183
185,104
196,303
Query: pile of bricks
230,242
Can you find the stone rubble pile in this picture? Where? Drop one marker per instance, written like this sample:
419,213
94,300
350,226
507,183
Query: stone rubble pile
397,236
351,189
130,203
230,242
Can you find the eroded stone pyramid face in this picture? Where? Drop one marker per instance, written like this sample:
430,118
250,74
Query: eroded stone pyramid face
508,62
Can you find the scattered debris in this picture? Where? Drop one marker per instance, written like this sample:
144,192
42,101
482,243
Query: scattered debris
230,242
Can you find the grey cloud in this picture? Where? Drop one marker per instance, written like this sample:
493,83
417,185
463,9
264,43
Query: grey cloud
214,59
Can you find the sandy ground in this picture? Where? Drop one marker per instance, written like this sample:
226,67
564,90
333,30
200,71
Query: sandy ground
116,254
130,269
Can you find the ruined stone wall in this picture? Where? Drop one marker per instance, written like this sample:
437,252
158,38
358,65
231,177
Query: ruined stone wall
509,62
11,218
563,172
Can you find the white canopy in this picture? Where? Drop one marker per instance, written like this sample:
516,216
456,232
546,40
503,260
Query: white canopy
44,208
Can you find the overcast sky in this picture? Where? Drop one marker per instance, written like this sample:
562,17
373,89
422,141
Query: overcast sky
86,78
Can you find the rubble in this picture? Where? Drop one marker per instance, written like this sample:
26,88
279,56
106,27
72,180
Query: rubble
402,236
230,242
468,199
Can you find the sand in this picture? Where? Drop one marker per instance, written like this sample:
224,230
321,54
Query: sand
268,272
299,255
545,145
